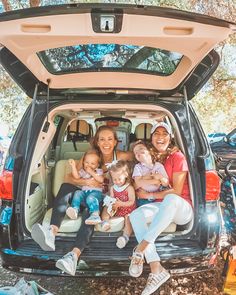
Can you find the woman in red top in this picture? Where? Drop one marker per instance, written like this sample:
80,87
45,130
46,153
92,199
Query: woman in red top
176,206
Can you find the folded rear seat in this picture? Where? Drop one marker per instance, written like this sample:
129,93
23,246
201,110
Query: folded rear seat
72,226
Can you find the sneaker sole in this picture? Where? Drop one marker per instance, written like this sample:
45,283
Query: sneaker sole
121,243
135,275
158,286
62,267
71,214
39,237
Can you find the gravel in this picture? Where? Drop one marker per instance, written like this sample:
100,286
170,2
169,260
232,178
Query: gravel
205,283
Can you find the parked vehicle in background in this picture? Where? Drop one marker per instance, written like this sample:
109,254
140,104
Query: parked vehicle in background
225,149
214,137
5,142
124,66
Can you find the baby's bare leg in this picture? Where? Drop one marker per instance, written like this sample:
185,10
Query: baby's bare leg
127,231
105,219
105,216
128,227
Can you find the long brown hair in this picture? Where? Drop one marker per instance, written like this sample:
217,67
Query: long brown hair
96,138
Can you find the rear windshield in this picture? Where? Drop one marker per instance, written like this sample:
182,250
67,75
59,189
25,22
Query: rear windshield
110,57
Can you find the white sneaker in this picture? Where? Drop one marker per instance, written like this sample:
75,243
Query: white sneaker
122,241
136,264
44,237
93,219
72,213
68,263
155,281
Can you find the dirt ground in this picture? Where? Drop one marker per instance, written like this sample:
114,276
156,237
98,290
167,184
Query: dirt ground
205,283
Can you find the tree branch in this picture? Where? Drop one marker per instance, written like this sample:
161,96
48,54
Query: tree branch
34,3
6,5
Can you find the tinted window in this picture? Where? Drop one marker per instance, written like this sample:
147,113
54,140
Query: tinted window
110,57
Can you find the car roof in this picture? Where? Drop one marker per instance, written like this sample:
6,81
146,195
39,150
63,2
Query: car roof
33,38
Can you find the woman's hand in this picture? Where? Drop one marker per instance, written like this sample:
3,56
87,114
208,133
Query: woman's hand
142,194
92,182
157,176
174,149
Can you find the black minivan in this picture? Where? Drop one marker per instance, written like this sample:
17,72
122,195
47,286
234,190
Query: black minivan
126,66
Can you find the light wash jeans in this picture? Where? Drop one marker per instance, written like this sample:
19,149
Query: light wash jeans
90,197
149,221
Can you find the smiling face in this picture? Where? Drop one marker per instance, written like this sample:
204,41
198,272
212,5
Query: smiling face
161,139
119,177
91,161
106,142
142,154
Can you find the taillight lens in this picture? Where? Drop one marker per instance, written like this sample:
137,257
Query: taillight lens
212,186
6,185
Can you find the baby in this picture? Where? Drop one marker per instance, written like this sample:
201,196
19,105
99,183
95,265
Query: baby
149,174
123,191
91,196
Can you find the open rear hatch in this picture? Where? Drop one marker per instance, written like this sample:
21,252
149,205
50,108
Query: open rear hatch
109,46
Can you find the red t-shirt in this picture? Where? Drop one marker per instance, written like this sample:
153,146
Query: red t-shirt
176,162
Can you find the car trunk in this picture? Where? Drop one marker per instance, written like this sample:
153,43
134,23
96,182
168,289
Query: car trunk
44,163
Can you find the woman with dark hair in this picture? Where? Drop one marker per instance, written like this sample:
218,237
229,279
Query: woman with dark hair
176,206
105,142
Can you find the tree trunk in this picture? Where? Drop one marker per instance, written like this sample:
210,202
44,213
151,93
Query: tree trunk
34,3
6,5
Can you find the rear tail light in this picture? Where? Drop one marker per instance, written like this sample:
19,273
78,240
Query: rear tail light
6,185
212,186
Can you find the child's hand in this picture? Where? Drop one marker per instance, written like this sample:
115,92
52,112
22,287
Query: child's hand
89,170
71,162
116,205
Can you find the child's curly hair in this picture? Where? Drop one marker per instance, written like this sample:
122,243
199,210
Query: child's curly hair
123,166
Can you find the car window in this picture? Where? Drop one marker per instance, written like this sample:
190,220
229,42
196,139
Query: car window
233,138
110,57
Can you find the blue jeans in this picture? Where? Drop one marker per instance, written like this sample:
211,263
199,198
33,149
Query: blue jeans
92,198
141,202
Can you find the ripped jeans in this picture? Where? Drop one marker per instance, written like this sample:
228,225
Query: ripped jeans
92,198
149,221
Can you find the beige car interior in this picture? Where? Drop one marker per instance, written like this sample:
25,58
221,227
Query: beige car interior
49,167
70,149
143,131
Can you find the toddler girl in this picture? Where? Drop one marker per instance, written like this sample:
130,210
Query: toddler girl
149,174
124,193
90,196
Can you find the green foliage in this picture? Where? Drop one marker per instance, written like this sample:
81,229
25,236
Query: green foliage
13,101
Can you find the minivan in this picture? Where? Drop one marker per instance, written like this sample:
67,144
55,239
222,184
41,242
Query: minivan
125,66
